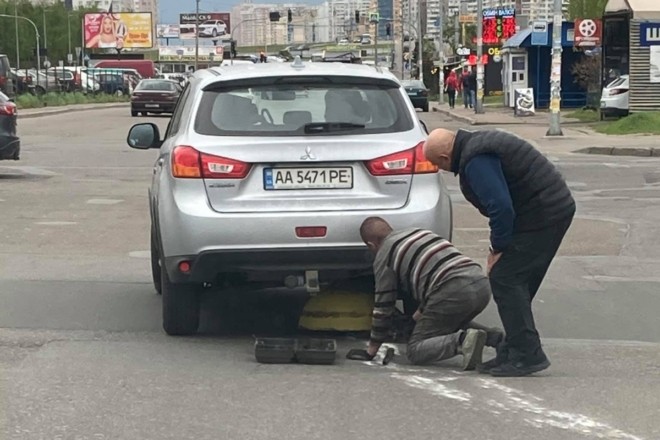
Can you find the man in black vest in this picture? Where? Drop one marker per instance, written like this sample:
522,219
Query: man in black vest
530,208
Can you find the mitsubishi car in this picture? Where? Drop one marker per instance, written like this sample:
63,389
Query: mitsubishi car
266,172
212,28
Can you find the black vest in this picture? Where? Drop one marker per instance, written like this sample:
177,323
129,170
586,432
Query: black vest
539,193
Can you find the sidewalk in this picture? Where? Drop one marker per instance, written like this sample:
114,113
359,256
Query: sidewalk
578,137
49,111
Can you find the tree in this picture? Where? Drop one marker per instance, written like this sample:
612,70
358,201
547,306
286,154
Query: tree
586,74
586,9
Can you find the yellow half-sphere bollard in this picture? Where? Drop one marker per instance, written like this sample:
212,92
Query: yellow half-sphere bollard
338,311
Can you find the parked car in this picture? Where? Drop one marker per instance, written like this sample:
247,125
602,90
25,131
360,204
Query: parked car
155,96
146,68
212,28
10,144
256,183
6,82
112,83
22,81
418,93
614,99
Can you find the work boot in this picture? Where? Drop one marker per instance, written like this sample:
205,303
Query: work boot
523,366
472,348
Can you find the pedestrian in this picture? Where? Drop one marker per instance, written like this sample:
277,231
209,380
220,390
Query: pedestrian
451,86
465,87
530,208
448,289
472,87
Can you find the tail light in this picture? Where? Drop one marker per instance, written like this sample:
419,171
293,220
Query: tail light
614,92
311,231
78,79
410,161
8,109
191,164
424,92
3,81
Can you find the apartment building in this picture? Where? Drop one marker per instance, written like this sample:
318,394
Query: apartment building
252,26
336,19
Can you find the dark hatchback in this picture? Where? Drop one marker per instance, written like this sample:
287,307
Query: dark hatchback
418,94
10,145
155,96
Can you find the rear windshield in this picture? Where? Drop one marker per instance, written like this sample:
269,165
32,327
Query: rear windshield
286,110
155,85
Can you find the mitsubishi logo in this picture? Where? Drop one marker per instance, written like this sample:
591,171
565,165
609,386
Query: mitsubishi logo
308,155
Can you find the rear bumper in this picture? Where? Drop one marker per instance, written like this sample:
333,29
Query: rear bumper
271,265
420,101
10,147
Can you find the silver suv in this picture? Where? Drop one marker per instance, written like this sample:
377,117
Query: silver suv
266,172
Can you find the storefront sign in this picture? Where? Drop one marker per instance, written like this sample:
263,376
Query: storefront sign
649,34
498,25
524,102
588,32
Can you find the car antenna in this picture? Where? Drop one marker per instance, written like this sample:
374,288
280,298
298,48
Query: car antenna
297,62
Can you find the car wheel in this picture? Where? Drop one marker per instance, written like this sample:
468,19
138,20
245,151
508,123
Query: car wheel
155,263
215,33
134,113
39,91
119,92
144,113
425,109
180,307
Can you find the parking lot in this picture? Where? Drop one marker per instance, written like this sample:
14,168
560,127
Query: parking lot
82,353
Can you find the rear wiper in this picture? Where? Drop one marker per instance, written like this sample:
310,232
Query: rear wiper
324,127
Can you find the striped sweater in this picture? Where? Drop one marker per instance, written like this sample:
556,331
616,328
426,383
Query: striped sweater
415,262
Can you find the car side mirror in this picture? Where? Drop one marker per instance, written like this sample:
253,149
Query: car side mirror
144,136
423,124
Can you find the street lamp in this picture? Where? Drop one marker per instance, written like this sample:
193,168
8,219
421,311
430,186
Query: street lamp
36,32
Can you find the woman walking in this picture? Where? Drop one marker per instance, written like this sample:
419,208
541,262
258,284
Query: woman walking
451,85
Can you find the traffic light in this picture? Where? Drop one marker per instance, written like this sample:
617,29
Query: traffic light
289,16
388,29
357,16
274,16
232,48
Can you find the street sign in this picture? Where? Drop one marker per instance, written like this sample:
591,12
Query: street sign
374,17
468,18
69,58
588,32
649,34
540,33
78,51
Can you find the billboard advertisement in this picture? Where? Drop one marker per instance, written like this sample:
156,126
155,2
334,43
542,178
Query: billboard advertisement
209,19
167,31
187,53
122,30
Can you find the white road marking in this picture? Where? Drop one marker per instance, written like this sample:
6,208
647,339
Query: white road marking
56,223
140,254
104,201
611,279
433,386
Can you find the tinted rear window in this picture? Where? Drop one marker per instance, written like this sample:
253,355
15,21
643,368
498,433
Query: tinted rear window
415,84
155,85
285,109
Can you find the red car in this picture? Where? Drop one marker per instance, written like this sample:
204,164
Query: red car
10,144
155,96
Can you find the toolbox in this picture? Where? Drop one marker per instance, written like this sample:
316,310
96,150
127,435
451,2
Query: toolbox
316,351
275,350
287,350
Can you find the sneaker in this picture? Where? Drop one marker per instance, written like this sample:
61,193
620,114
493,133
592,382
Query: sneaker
472,348
495,337
519,368
488,365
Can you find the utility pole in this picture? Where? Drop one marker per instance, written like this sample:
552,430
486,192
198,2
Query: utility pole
18,46
441,53
478,107
196,35
420,42
409,21
555,73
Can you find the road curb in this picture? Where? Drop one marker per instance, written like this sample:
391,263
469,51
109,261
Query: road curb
473,121
621,151
51,111
464,119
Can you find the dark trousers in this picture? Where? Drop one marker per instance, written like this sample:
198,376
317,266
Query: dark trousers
446,313
451,93
515,279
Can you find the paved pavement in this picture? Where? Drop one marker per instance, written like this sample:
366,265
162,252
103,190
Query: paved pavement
82,355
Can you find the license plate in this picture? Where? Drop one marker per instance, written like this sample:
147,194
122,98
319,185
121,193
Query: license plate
308,178
152,105
412,93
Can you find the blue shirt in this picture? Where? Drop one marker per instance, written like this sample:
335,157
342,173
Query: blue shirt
485,176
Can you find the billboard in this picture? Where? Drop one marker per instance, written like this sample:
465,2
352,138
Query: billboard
121,30
499,25
207,17
187,53
167,31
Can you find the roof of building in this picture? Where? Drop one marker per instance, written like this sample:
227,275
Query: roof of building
641,9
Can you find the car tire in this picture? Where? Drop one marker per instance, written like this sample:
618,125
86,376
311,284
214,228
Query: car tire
134,113
39,91
144,113
214,33
155,263
180,307
425,108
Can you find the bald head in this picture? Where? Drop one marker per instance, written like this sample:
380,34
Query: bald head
373,231
439,147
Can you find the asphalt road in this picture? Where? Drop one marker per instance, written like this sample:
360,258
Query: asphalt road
82,354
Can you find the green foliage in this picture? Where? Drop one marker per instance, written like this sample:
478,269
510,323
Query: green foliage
54,35
61,99
583,115
586,9
636,123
